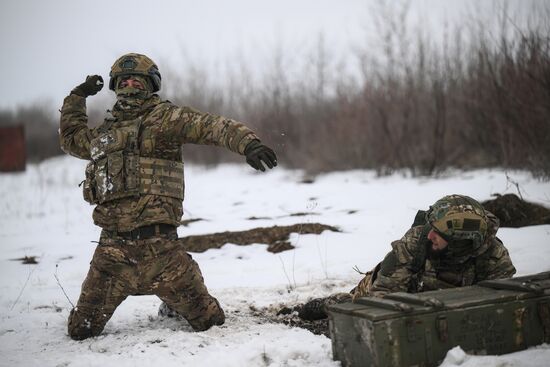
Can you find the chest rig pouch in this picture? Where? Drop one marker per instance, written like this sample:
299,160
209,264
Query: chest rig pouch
118,171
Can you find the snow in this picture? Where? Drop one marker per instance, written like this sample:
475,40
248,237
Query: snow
42,214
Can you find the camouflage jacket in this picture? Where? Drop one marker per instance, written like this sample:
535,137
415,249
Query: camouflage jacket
410,267
164,128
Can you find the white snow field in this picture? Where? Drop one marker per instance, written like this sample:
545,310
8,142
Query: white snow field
42,214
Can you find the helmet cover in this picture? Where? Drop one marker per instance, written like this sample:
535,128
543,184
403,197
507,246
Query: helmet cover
135,64
457,218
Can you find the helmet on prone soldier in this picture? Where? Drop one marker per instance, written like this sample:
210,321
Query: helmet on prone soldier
459,219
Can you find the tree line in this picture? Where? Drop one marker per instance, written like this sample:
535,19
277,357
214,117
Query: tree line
472,97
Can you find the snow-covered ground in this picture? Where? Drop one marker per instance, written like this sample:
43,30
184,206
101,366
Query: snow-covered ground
42,214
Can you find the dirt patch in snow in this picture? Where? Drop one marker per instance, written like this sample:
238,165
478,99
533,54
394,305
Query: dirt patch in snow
516,212
276,237
27,260
187,222
288,315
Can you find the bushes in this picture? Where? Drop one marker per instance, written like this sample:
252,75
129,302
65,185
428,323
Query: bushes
465,104
468,99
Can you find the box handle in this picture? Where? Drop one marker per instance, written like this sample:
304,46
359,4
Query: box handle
544,314
416,300
442,326
512,285
383,303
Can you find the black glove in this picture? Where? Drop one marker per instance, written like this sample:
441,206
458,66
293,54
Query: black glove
256,153
91,86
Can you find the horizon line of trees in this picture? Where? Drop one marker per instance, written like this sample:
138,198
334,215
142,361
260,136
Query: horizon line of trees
474,98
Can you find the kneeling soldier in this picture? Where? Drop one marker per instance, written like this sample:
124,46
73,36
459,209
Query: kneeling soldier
135,179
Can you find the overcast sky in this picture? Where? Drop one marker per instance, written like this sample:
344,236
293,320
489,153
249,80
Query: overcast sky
48,47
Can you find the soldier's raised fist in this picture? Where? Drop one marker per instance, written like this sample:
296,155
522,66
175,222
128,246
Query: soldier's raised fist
92,85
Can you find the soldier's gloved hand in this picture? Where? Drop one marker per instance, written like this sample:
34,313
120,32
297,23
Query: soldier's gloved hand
256,153
91,86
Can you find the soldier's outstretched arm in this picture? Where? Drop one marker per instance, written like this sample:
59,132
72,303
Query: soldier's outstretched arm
392,277
197,127
74,134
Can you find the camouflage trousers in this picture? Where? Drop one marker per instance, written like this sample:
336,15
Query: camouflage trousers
159,266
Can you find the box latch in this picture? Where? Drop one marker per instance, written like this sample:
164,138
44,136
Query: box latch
442,327
544,314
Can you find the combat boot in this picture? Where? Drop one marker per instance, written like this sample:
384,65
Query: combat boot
316,308
217,318
313,310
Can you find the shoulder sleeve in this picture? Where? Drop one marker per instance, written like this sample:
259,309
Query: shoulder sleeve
74,134
401,264
498,262
197,127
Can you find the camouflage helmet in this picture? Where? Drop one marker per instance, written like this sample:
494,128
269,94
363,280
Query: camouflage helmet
135,64
458,217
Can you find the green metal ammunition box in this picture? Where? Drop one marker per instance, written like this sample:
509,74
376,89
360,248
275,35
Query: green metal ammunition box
403,329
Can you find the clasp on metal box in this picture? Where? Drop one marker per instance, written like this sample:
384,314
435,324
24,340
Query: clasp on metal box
442,327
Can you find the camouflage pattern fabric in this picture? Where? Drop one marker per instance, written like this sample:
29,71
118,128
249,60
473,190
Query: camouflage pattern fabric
410,267
158,266
134,64
164,128
364,286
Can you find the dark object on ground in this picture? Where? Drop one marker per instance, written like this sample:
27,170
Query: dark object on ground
288,315
275,237
317,327
52,307
186,222
27,260
515,212
279,246
404,329
258,218
313,310
311,316
302,214
316,309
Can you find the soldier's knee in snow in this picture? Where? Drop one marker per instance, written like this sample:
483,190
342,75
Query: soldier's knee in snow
79,334
215,319
82,326
213,316
78,327
206,313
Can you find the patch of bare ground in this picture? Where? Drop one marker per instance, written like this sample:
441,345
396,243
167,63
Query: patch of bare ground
187,222
516,212
27,260
288,315
276,237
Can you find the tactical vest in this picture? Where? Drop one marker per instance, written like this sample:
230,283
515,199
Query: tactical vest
118,171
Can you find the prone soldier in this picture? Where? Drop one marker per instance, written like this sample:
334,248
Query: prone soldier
453,244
